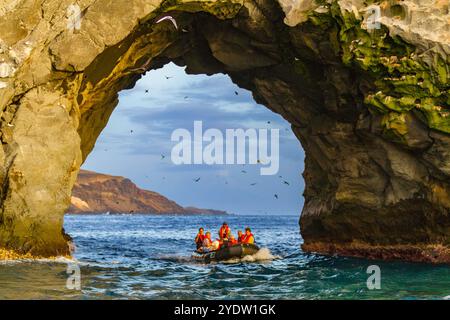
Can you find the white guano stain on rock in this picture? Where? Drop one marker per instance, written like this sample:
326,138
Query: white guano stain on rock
21,52
423,21
6,70
296,11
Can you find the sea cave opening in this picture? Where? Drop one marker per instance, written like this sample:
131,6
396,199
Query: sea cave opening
367,100
245,87
137,144
358,196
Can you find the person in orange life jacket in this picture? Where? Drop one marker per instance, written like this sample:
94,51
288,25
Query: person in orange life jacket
224,232
240,236
207,242
199,238
248,237
232,241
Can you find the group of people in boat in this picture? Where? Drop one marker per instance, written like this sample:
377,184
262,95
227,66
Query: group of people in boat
204,242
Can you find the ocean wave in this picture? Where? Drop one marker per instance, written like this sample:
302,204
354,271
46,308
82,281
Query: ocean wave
263,255
174,258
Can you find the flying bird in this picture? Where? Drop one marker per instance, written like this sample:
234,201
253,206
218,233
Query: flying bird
168,77
146,90
252,184
197,180
268,122
131,131
170,18
285,182
276,196
243,171
236,93
162,156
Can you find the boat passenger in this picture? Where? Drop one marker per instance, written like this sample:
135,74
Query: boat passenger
240,236
224,232
207,243
215,245
248,237
232,241
199,238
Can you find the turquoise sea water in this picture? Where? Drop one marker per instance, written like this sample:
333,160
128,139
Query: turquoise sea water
148,257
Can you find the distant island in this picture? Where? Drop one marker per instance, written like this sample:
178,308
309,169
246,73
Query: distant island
96,193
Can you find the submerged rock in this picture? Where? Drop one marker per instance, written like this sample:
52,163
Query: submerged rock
364,84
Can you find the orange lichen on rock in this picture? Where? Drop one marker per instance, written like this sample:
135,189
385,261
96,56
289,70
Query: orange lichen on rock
7,254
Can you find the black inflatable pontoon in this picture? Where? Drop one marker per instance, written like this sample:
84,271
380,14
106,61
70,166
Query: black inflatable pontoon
226,253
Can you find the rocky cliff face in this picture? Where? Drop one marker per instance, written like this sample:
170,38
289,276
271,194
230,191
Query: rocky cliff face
365,85
99,193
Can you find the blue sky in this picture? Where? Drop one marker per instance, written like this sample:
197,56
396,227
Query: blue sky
176,103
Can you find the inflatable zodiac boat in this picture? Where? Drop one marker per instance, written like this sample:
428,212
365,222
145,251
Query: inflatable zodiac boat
236,251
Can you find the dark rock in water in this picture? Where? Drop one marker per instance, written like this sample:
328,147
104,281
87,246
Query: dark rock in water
99,193
194,210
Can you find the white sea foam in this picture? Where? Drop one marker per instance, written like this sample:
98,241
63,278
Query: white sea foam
263,255
61,259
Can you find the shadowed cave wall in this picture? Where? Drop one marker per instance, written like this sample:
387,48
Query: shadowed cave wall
369,108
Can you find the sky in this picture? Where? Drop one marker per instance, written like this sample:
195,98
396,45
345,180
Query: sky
137,144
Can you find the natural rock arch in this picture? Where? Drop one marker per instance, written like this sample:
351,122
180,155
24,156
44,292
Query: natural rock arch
369,107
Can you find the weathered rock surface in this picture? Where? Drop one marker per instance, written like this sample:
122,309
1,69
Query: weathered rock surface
100,193
365,85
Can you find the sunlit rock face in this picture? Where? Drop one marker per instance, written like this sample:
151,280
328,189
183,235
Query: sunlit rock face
366,90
